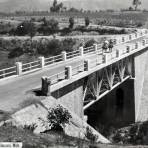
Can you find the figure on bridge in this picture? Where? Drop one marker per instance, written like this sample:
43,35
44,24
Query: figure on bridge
105,46
111,45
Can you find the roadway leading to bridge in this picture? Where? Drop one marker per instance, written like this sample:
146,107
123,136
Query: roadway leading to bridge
14,91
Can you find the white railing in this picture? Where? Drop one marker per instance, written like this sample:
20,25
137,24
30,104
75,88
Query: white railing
77,69
7,72
73,54
39,64
57,77
89,49
30,66
98,61
54,59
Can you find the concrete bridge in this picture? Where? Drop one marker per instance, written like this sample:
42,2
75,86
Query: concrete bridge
102,87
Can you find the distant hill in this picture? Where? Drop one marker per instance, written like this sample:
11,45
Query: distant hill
37,5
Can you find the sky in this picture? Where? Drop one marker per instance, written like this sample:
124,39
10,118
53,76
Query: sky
12,5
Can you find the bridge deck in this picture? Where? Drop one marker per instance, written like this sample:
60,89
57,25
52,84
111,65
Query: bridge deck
15,91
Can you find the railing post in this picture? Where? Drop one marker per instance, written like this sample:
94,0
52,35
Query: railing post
118,53
81,51
128,48
136,35
130,37
42,62
95,47
87,65
18,68
105,58
136,45
115,41
46,86
123,39
64,57
143,42
68,72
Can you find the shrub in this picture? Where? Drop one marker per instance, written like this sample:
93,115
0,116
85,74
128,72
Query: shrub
89,43
16,52
31,127
58,117
49,27
67,44
71,22
87,21
26,28
90,136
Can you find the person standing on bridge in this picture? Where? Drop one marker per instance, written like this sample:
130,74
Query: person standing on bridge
105,46
111,45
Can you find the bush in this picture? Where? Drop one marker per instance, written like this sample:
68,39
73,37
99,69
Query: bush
26,28
49,27
67,44
31,127
87,21
58,117
71,22
16,52
89,43
90,136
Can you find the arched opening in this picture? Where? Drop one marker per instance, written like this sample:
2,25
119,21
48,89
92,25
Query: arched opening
119,102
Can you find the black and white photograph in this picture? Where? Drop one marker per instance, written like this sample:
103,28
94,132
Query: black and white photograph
73,73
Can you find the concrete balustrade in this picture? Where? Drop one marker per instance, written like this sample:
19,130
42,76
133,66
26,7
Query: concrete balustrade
68,72
46,86
64,55
95,47
18,68
81,51
87,65
42,62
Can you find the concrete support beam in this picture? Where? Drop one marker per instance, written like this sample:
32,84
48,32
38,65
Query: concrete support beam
46,86
68,72
81,51
87,65
64,57
42,62
18,68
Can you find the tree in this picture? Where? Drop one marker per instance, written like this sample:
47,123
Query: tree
71,22
136,3
49,27
56,7
87,21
